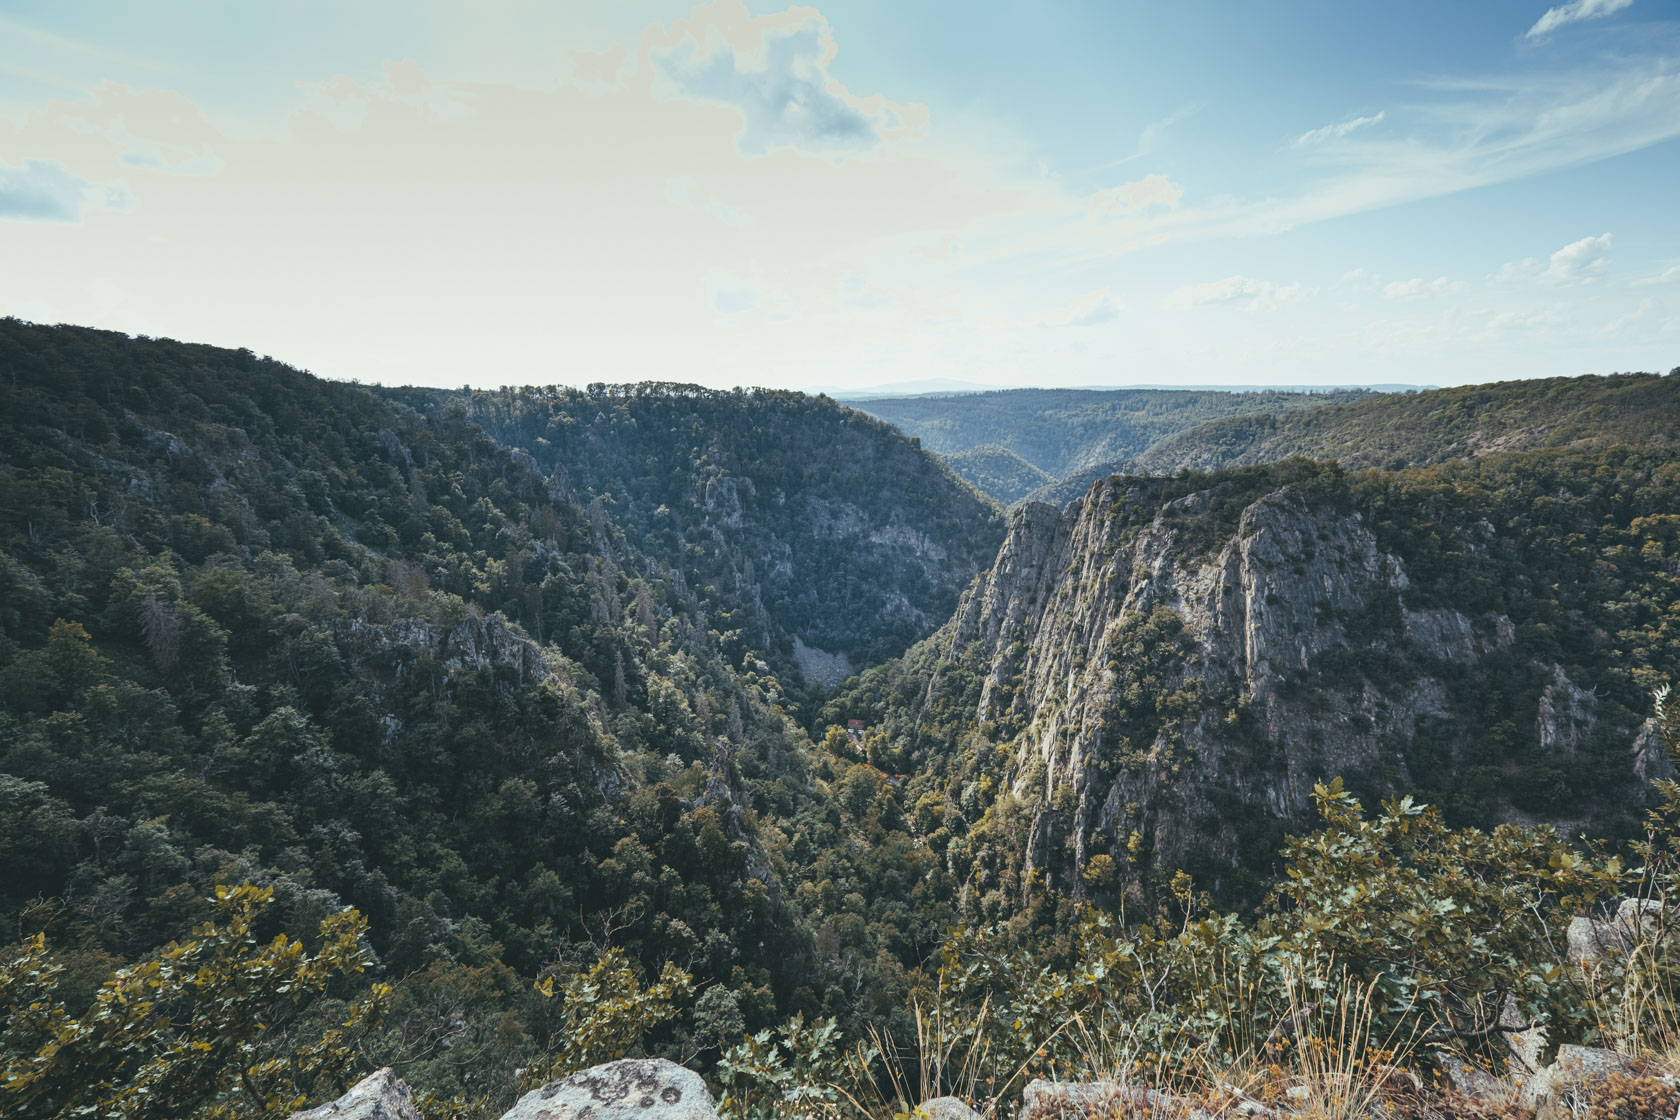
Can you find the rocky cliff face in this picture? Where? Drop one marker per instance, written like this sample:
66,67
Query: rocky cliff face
1173,674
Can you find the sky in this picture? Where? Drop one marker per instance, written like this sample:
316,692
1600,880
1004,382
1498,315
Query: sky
855,194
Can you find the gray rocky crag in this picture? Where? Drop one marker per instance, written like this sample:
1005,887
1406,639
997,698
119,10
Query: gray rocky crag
1274,608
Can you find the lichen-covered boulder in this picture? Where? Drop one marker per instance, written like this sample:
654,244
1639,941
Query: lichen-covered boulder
632,1089
380,1096
946,1108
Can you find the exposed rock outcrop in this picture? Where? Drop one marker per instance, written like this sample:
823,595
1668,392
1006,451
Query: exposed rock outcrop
1591,940
946,1108
1552,1092
632,1089
819,665
475,642
380,1096
1160,661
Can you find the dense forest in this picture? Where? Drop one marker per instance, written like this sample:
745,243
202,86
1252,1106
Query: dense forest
263,628
999,472
469,734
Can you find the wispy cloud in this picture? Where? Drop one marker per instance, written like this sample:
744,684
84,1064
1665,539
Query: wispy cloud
1573,13
1241,291
1483,132
1669,275
1090,310
46,41
1417,288
1136,197
1337,131
1149,136
1621,322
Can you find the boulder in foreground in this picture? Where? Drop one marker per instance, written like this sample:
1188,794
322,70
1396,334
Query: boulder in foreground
632,1089
379,1096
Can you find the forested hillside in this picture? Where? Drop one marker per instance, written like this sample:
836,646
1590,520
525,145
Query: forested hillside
817,533
1397,430
1060,431
999,472
257,627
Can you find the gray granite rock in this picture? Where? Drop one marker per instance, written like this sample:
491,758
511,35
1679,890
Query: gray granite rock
380,1096
632,1089
1590,939
946,1108
1551,1092
1473,1081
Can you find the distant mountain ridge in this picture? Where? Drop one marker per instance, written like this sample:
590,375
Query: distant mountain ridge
1415,429
1060,431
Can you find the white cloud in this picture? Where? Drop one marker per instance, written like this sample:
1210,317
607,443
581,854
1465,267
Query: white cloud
1417,288
1669,275
1573,12
1514,272
1090,310
1521,321
1137,197
1337,131
1579,262
1243,291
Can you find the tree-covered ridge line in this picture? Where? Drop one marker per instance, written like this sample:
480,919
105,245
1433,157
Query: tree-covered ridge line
1060,431
799,517
1396,430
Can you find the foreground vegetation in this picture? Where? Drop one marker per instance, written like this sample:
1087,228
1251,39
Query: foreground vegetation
1390,942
